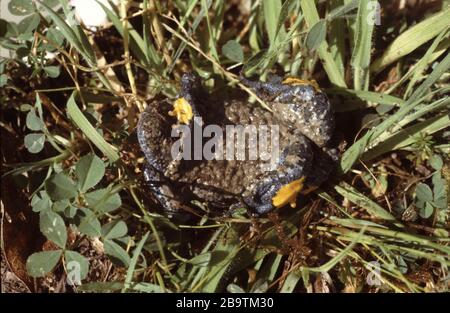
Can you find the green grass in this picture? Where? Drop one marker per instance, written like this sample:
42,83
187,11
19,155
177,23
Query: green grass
358,218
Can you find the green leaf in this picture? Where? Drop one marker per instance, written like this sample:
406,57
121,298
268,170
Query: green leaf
233,51
201,259
81,121
41,263
89,171
29,24
413,38
41,202
426,211
33,121
364,202
436,162
64,28
363,43
233,288
52,71
290,282
101,200
55,36
116,252
439,191
272,9
3,80
360,96
77,267
403,138
34,142
424,193
75,35
70,211
357,149
61,205
60,186
136,43
50,3
21,7
312,17
134,260
25,107
53,227
114,229
146,287
342,10
89,224
316,35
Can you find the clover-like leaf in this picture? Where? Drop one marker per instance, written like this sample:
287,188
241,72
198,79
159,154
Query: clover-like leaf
77,266
233,51
102,200
60,187
89,224
53,227
33,122
436,162
52,71
424,193
61,205
439,191
89,171
29,24
316,35
114,229
41,202
34,142
21,7
116,252
426,211
41,263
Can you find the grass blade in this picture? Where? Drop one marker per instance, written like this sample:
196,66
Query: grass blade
312,17
363,43
357,149
413,38
272,10
133,262
358,198
81,121
407,136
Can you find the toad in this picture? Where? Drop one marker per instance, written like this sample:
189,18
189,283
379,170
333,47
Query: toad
282,152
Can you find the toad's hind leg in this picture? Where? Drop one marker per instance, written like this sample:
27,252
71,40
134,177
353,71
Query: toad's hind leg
280,187
170,201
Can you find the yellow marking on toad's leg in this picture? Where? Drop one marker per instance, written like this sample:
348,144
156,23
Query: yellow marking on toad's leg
288,193
298,82
182,110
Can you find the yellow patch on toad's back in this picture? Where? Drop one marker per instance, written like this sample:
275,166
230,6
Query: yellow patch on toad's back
297,81
182,110
288,194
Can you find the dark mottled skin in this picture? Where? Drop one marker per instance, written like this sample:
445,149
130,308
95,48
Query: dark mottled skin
306,124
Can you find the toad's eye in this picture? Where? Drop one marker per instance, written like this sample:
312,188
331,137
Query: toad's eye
292,81
182,110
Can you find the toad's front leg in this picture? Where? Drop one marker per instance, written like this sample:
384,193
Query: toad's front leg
281,187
